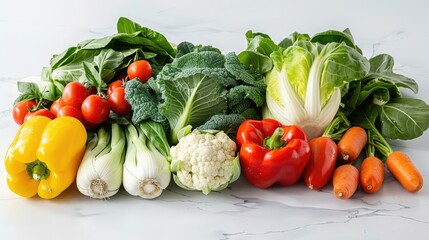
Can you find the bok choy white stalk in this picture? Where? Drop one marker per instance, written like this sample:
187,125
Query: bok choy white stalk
146,168
100,172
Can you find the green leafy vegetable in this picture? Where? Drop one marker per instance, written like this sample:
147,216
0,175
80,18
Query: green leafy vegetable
201,88
305,81
404,118
376,104
143,102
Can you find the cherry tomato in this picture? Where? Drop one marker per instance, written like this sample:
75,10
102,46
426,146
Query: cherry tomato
74,94
56,106
95,109
140,69
117,102
320,166
113,85
40,112
72,112
21,109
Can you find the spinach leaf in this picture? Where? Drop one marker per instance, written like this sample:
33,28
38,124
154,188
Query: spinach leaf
379,89
404,118
155,39
93,76
382,68
107,61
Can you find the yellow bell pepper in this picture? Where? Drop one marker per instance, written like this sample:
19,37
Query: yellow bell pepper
45,155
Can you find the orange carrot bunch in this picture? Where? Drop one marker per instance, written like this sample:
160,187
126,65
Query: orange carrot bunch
370,175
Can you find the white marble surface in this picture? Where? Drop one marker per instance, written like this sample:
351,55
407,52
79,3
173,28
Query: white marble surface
31,31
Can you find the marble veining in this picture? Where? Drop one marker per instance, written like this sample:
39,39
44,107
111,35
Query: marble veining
30,38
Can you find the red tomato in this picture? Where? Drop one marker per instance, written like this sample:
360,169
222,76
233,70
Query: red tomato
320,166
117,102
40,112
140,69
56,106
74,94
113,85
95,109
21,109
72,112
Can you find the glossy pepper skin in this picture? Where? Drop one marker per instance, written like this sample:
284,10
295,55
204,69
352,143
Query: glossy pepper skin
44,156
271,153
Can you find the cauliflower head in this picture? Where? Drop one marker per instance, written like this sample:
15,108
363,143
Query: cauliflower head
205,161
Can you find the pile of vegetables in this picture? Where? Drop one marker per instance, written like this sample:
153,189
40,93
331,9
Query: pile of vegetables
136,111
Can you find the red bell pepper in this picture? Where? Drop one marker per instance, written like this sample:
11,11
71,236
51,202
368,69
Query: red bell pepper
271,153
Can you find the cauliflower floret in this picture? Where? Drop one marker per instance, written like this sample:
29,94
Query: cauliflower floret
205,161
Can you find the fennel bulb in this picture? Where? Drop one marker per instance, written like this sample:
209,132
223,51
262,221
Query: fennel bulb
146,168
100,172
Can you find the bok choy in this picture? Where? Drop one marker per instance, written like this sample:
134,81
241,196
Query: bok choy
146,168
306,76
100,172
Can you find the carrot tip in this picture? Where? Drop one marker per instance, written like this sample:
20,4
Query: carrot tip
345,156
369,187
340,194
310,186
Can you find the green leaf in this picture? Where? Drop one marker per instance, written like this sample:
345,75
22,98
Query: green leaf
157,40
404,118
184,48
92,75
241,92
258,61
285,43
60,59
143,103
208,59
228,123
191,101
262,45
335,36
107,62
154,131
235,68
382,67
342,64
125,25
351,97
250,35
295,36
28,91
259,48
377,88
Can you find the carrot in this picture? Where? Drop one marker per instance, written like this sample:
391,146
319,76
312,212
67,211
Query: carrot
345,181
352,143
371,174
403,169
